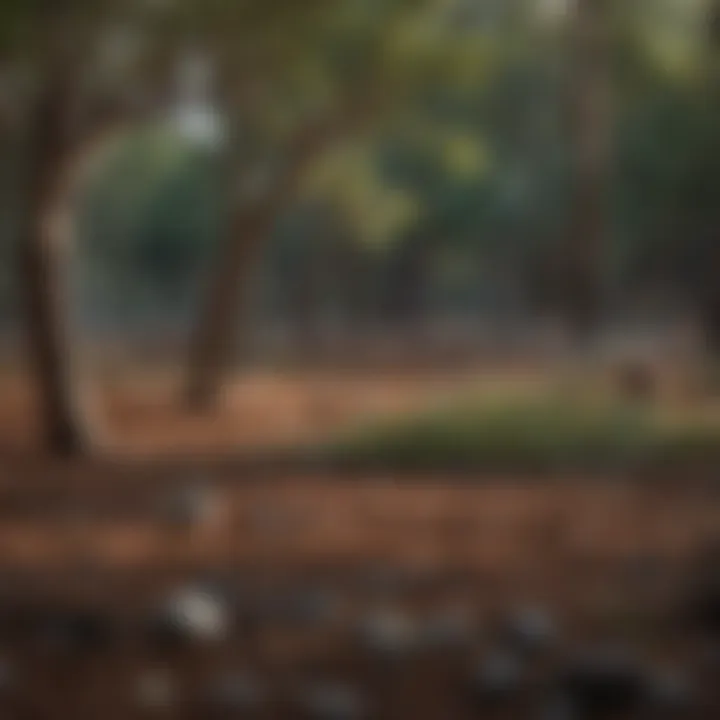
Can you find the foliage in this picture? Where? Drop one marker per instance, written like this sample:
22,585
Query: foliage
464,158
151,217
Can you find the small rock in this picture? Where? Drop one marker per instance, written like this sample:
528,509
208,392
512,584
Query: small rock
192,614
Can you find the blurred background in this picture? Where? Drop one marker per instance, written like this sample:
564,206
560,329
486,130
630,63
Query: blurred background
216,187
464,253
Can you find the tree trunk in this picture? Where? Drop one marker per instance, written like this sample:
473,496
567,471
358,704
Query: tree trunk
213,335
589,126
43,259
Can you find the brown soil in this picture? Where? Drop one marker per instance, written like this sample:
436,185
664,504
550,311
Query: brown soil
609,559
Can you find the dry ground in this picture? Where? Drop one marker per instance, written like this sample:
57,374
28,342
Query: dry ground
140,412
609,560
143,412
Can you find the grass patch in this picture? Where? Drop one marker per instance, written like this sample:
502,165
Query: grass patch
540,435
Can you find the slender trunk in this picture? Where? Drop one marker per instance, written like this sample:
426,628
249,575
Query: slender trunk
43,259
589,136
213,335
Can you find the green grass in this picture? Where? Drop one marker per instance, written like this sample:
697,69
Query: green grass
552,434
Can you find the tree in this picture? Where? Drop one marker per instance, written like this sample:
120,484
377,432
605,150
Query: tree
249,227
361,60
669,164
44,251
589,131
63,122
52,155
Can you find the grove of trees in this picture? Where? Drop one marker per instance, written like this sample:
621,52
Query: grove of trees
378,159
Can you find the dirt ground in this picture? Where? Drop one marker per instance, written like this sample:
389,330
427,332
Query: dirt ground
139,411
142,413
609,561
